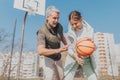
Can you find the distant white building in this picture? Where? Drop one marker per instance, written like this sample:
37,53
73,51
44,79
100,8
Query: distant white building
1,63
105,54
29,64
117,47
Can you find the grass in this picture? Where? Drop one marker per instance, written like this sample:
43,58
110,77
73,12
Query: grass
76,78
100,78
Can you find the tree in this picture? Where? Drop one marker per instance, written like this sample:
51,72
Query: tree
3,35
4,40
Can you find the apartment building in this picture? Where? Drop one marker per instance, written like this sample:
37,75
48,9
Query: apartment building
1,63
28,67
105,54
117,47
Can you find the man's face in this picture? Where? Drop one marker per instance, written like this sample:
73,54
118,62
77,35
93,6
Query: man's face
53,19
76,23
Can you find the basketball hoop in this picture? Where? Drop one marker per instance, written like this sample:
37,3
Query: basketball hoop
31,6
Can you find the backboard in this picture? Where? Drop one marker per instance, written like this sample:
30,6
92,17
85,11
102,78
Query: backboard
34,6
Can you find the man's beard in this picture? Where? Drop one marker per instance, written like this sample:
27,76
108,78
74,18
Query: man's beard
54,25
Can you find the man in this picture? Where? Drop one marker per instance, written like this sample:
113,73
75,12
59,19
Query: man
78,28
49,37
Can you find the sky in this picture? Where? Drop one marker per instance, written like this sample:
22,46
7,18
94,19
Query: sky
102,15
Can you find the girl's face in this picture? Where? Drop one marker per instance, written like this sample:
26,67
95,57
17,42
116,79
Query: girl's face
76,24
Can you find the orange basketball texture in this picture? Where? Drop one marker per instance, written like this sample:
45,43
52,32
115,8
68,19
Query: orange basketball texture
85,47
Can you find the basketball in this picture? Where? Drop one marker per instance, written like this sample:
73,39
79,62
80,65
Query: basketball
85,47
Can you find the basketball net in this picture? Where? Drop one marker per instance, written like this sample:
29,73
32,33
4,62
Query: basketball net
31,11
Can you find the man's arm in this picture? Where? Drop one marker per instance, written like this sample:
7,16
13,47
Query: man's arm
44,51
41,48
64,40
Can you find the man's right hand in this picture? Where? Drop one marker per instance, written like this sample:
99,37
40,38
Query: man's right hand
64,48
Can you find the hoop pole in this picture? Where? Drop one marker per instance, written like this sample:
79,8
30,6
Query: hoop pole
21,45
14,30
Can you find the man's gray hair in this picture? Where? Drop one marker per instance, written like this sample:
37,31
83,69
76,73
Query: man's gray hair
50,10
